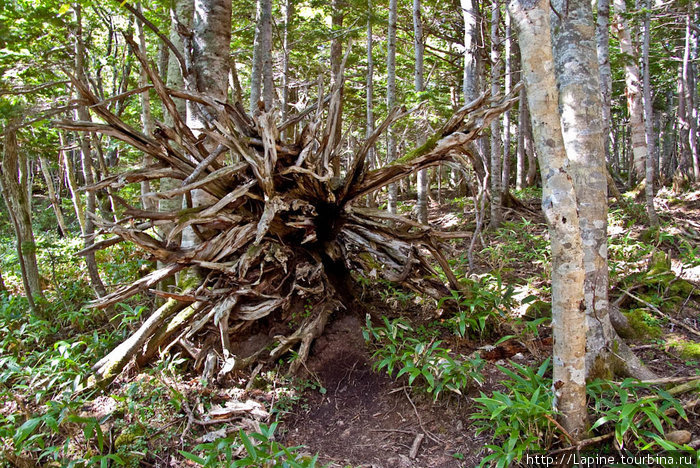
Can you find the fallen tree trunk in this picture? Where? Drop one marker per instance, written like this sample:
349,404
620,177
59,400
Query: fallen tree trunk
280,232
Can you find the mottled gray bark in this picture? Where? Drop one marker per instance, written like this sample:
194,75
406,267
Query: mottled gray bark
496,152
181,14
602,34
422,179
211,42
391,97
82,113
576,65
14,183
508,81
262,59
648,122
633,86
78,206
286,44
520,149
146,120
336,61
559,203
369,98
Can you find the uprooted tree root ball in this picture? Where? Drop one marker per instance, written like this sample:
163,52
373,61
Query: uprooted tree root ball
280,232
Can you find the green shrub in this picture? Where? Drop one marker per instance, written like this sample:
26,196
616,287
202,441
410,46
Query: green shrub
423,361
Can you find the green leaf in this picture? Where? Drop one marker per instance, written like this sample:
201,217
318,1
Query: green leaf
192,457
26,429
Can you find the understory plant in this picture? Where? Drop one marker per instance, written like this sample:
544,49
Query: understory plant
428,365
522,418
254,449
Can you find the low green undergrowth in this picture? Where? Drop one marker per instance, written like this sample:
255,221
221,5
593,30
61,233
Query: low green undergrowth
427,365
251,449
521,418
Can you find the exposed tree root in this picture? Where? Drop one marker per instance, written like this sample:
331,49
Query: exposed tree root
275,219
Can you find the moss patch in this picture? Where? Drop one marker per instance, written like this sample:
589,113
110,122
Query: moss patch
687,349
644,325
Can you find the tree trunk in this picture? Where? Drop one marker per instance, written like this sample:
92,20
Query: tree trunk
55,202
602,34
531,177
146,120
336,60
582,129
72,183
648,123
690,88
422,181
261,84
391,97
496,152
559,203
633,89
83,114
211,42
508,80
520,151
369,99
14,183
286,44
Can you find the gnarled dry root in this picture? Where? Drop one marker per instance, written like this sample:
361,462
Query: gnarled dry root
279,228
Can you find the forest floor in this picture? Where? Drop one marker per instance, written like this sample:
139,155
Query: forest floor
367,419
352,415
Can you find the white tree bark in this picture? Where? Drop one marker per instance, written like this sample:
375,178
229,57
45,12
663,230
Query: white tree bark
580,104
560,206
508,82
648,123
422,182
496,152
391,97
633,86
82,113
602,34
261,83
146,120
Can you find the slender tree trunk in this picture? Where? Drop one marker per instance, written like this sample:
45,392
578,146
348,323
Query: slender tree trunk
261,84
336,59
211,42
520,151
531,177
391,97
286,44
648,123
55,202
86,153
633,86
146,120
684,111
602,34
690,77
369,109
577,76
14,181
496,152
508,80
422,182
78,206
559,203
